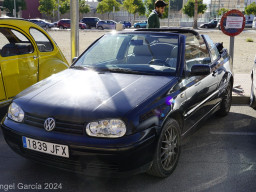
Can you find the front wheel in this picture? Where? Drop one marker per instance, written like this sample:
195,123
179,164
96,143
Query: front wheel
226,101
168,150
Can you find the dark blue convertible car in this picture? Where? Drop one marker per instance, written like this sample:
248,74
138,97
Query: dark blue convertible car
124,106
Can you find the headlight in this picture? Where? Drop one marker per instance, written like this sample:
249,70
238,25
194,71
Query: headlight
15,113
112,128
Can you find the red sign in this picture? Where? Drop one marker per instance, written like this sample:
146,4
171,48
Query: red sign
232,23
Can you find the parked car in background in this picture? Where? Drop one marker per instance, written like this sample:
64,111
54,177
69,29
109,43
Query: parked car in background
65,24
125,105
90,21
106,24
42,23
218,25
55,24
254,23
142,24
248,24
127,24
211,24
27,55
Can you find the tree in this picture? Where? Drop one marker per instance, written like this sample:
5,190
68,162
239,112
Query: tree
46,6
64,6
119,1
129,6
84,7
134,7
9,5
195,15
189,9
222,11
251,9
107,6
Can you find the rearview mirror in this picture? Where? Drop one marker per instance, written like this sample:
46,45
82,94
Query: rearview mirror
200,69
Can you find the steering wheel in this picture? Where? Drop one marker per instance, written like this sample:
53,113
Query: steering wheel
158,62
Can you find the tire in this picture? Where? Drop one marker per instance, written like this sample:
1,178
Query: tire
61,27
226,101
100,28
168,150
137,26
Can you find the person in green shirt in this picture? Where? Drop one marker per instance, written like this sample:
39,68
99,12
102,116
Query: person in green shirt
153,19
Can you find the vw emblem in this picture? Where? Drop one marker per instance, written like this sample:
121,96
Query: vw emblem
49,124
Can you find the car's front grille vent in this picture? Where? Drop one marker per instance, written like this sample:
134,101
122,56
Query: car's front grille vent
61,126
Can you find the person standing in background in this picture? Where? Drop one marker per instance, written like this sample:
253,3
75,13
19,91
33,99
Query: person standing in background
153,19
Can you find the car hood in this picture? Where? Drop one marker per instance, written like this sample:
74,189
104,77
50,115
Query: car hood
84,94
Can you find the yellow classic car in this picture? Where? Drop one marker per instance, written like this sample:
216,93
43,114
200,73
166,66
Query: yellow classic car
27,55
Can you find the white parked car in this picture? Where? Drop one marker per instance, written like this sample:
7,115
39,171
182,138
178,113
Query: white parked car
254,23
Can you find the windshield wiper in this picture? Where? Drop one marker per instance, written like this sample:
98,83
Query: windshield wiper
79,67
122,70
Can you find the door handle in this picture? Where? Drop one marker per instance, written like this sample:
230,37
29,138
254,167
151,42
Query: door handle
35,57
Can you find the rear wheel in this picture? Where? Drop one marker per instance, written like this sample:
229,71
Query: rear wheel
137,26
61,27
168,150
226,101
100,28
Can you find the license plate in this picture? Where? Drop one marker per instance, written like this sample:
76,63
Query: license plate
45,147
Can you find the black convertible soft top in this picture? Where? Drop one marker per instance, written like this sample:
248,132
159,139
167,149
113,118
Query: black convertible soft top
172,30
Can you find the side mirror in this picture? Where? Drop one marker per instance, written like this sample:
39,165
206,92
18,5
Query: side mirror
219,47
74,59
200,69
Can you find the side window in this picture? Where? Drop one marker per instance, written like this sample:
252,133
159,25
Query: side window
196,52
14,43
43,43
3,41
213,49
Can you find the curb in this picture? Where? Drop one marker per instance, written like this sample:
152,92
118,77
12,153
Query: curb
240,100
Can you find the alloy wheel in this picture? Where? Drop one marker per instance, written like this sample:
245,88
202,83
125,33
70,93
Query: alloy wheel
169,148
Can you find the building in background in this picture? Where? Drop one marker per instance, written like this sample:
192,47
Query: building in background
228,4
248,2
31,10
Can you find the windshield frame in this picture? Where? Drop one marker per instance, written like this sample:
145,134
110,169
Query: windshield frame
180,38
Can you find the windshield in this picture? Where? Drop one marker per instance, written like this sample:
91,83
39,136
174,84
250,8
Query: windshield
133,53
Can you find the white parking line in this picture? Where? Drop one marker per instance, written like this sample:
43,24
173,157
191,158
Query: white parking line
234,133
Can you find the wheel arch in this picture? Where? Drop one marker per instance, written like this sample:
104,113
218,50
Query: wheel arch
176,115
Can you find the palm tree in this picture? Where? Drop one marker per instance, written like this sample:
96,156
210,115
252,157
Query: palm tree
195,15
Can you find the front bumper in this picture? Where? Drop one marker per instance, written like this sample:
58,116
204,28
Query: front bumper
91,156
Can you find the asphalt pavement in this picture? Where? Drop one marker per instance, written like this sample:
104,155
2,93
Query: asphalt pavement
219,156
